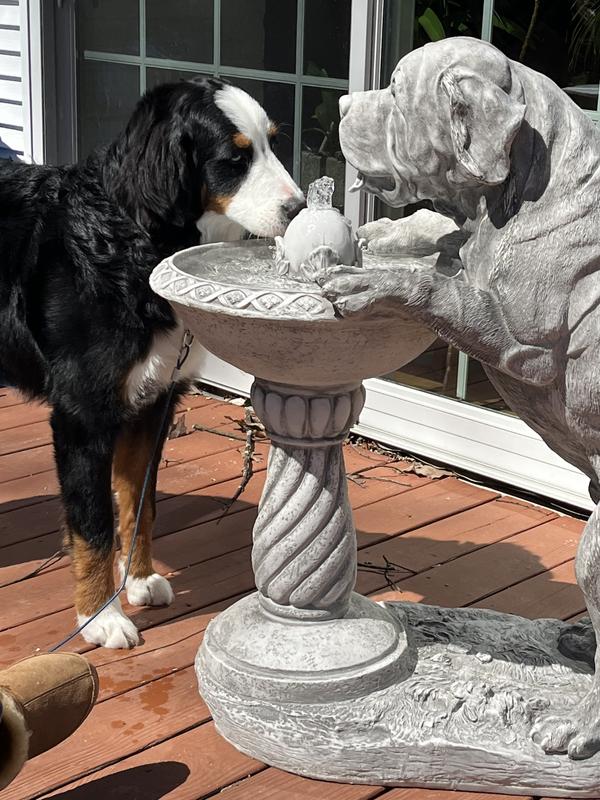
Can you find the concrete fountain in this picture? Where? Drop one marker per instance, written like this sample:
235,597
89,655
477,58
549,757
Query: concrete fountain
305,674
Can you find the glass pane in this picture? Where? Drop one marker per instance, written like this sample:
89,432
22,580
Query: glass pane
107,95
109,26
259,34
157,75
321,152
180,29
560,39
327,37
440,19
278,101
433,371
480,390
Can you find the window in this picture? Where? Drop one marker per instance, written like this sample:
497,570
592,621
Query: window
292,56
560,39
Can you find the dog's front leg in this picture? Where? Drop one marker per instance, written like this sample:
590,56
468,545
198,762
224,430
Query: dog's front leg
133,456
576,729
471,319
84,450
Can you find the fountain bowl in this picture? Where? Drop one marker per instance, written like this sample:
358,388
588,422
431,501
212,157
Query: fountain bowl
276,328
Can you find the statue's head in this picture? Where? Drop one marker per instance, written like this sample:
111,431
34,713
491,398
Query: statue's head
445,124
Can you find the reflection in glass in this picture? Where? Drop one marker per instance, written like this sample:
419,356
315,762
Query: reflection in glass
110,26
327,37
107,94
321,152
259,34
560,39
480,390
180,29
434,370
158,75
278,101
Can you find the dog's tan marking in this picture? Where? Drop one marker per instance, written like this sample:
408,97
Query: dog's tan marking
130,461
218,203
273,130
242,141
94,576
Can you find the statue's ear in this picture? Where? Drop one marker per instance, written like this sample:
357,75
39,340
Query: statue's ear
484,120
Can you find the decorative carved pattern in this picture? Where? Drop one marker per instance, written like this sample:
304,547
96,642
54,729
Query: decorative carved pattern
304,553
303,416
463,718
181,287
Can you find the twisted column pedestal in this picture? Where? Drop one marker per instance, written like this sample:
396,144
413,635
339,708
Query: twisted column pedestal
304,636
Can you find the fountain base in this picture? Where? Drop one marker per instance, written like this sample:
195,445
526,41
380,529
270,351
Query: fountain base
399,694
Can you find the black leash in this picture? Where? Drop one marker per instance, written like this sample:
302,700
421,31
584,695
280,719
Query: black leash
183,354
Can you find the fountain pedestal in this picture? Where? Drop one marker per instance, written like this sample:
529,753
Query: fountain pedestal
305,635
305,674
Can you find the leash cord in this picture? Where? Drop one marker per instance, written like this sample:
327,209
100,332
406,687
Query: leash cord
184,352
49,562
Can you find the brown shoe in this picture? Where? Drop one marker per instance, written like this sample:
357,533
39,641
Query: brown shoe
43,699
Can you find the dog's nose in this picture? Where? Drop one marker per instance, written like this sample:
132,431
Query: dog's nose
345,103
293,207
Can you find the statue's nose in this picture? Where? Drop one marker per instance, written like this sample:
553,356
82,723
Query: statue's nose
345,103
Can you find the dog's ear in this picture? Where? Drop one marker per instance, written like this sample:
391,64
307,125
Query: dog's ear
156,174
484,121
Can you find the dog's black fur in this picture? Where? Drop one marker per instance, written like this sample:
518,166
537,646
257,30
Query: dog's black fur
77,245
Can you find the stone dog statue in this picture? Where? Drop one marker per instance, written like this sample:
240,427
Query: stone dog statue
514,167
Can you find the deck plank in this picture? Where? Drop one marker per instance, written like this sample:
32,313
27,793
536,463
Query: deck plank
150,736
116,729
421,506
187,767
484,572
273,784
449,538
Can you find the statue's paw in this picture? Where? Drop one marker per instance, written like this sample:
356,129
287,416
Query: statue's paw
575,732
349,289
354,304
420,234
578,641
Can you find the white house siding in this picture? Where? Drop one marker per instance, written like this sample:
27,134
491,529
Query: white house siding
12,94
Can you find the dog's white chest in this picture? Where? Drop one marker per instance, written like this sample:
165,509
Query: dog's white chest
153,374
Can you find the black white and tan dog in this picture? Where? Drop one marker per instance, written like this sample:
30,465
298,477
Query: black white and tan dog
80,326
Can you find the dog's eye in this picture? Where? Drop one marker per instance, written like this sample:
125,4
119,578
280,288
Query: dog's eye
236,159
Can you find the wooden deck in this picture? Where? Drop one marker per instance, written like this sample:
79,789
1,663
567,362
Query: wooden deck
150,735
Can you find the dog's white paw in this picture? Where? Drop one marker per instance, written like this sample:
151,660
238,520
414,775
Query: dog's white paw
151,591
111,628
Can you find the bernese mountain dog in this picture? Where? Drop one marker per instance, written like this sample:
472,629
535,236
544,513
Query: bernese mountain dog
80,327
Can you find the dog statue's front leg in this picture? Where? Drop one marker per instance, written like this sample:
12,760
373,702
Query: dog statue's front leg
577,730
469,318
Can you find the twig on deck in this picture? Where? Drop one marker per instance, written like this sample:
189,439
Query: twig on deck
386,570
251,428
219,433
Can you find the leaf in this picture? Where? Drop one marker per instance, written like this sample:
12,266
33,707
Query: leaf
179,428
327,112
428,471
431,24
314,69
509,27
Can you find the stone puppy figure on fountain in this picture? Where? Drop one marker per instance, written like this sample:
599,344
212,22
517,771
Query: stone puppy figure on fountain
503,153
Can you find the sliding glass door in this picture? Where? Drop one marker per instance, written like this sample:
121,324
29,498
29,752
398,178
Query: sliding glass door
292,56
297,57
